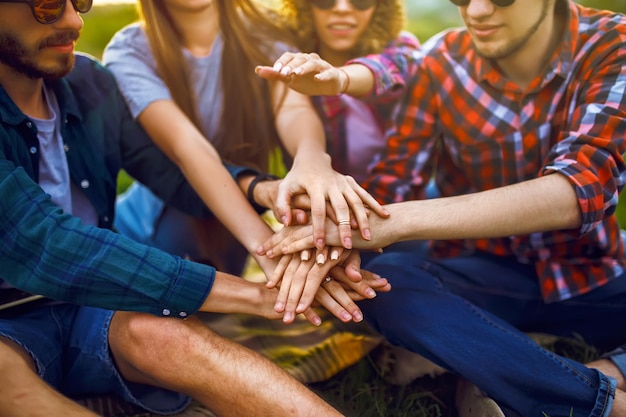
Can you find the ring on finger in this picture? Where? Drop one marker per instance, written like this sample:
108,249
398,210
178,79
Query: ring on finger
326,280
344,223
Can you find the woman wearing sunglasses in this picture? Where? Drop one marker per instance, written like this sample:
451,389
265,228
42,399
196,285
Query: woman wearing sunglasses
187,72
356,68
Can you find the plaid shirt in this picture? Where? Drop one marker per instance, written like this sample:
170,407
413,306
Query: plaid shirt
477,131
44,251
391,69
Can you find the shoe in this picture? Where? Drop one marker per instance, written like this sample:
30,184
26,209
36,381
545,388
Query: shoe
472,402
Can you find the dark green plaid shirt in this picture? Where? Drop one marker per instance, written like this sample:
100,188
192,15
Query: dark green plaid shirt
45,251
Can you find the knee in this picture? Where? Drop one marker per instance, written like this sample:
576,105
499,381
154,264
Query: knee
14,358
145,339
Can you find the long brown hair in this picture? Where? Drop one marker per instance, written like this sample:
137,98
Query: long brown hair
388,20
247,133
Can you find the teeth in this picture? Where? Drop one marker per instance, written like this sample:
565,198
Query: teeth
340,27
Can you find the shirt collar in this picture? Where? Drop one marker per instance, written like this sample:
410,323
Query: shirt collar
11,114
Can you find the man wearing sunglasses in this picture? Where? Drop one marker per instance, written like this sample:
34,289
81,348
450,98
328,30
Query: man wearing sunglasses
64,134
521,118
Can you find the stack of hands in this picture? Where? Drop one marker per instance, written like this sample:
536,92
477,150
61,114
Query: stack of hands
316,263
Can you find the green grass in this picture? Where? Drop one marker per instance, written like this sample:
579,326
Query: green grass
360,390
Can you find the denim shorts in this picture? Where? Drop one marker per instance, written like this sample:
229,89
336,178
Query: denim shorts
69,345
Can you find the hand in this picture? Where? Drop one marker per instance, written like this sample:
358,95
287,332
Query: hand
306,73
298,281
297,238
321,183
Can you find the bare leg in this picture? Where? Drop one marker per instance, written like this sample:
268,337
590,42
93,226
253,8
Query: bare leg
186,356
24,394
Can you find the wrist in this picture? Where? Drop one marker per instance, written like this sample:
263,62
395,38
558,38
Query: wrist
252,185
345,82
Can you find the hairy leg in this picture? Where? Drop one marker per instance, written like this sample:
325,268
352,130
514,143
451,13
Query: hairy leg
186,356
24,394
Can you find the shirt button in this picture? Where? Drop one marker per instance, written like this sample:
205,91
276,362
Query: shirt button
182,314
65,120
66,147
29,124
166,312
84,184
106,218
33,150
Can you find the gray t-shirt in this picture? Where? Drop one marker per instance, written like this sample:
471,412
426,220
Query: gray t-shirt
129,57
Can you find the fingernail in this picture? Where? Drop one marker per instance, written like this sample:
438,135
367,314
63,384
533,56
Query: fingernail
319,243
288,317
283,220
305,255
317,321
301,307
285,71
357,316
279,307
277,66
334,254
297,70
269,253
367,234
345,316
320,259
370,293
347,243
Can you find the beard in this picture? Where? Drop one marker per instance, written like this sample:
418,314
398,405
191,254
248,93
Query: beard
23,60
516,44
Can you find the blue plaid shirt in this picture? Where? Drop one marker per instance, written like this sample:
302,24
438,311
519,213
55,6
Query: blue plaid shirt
45,251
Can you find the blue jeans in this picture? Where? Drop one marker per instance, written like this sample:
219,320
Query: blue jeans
70,348
469,315
145,218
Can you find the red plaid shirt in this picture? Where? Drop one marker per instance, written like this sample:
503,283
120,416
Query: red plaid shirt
476,130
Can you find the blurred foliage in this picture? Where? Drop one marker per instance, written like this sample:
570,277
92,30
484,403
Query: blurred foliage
100,25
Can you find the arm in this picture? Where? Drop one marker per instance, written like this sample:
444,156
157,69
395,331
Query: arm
381,75
311,173
199,162
507,211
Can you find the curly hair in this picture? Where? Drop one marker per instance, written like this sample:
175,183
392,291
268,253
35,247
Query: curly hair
387,22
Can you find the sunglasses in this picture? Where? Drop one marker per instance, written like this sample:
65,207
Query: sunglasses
499,3
358,4
49,11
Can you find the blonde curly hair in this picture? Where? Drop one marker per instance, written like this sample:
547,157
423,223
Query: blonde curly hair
387,22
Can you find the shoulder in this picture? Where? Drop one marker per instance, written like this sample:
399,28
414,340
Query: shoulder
450,42
131,36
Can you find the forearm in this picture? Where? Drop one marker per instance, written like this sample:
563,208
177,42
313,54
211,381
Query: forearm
542,204
202,167
231,294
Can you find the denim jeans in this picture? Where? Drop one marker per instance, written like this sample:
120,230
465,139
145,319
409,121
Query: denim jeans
470,315
69,345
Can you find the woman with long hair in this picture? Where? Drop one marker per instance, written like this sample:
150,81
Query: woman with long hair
186,70
355,61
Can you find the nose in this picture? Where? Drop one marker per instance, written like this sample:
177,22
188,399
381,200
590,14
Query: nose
71,18
342,5
479,8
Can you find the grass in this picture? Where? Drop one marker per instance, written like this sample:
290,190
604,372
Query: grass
360,390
